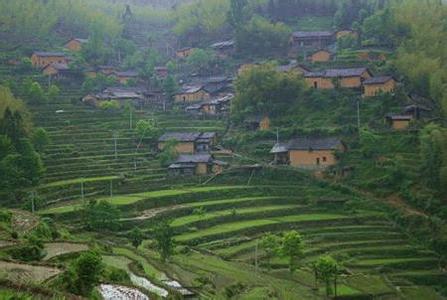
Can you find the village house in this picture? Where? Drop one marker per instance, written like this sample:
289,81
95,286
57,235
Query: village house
346,33
219,106
190,94
308,153
417,111
184,52
57,70
217,86
92,72
398,122
189,142
195,164
124,77
259,122
41,59
75,44
352,78
224,49
380,84
321,55
138,97
302,41
161,72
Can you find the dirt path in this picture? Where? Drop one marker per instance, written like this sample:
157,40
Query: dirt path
151,213
23,221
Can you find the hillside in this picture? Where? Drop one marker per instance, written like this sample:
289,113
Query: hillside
223,149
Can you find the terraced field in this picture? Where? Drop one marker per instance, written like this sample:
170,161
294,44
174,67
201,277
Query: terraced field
221,226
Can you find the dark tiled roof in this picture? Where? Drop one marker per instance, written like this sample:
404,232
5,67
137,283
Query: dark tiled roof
222,45
59,67
333,73
207,135
193,158
49,54
399,117
127,73
280,148
330,143
312,34
378,80
180,136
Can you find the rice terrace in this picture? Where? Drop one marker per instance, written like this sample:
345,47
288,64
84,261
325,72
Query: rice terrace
223,149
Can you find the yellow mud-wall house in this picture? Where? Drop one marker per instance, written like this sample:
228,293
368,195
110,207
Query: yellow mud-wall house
50,71
200,95
181,147
320,56
183,53
371,90
264,124
306,158
400,124
320,83
42,61
202,169
74,45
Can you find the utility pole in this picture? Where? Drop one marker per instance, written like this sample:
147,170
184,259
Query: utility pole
33,207
111,188
82,190
130,118
115,138
256,257
277,135
358,115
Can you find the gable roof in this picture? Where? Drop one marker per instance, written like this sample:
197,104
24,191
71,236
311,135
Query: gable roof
327,143
126,73
334,73
49,54
191,89
399,117
82,41
180,136
222,45
312,34
193,158
280,148
378,80
57,66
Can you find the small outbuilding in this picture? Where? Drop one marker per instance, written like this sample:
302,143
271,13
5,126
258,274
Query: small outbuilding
195,164
124,77
190,94
184,52
189,142
380,84
41,59
57,70
75,44
258,122
321,55
399,122
308,153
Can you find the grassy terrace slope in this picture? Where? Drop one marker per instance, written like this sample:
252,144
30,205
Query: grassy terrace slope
217,228
82,148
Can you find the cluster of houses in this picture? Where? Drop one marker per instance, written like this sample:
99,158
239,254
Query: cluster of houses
194,153
139,97
56,64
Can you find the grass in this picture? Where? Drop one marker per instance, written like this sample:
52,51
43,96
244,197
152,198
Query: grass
149,270
133,198
222,213
229,227
78,181
313,23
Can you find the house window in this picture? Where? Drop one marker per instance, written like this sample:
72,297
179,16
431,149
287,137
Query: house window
318,161
324,159
184,98
315,85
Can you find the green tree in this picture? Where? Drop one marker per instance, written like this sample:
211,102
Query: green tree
146,130
53,93
326,270
163,234
40,139
102,216
263,91
170,88
136,237
36,95
236,14
261,37
292,247
84,273
271,244
109,105
200,59
169,153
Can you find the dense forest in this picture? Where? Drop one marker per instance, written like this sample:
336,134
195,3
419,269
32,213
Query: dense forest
223,149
